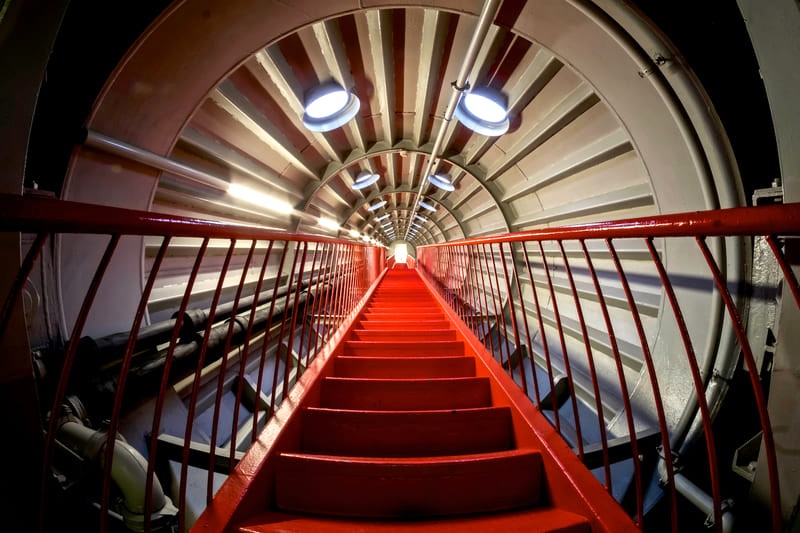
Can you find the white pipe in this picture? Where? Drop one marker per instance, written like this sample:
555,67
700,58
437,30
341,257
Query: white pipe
134,153
697,496
128,471
485,21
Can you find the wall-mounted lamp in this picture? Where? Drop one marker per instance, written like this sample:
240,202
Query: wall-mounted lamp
328,106
484,110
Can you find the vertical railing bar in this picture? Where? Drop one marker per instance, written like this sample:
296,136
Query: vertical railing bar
221,375
276,372
187,438
788,273
525,322
626,401
470,311
19,281
697,379
66,369
323,297
334,303
162,391
499,300
481,310
662,422
111,432
290,347
307,308
486,298
514,324
545,346
758,392
245,356
330,294
466,304
265,347
567,366
592,371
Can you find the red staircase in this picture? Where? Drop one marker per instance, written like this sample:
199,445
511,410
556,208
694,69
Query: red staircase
406,428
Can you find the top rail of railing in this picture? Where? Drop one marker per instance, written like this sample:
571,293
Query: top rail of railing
738,221
42,215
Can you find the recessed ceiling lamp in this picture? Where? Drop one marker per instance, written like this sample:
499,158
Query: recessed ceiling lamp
377,205
382,217
328,106
484,110
426,205
421,218
365,179
443,182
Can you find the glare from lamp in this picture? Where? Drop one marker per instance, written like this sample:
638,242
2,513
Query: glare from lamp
441,181
377,205
328,223
364,180
328,106
354,233
260,199
484,110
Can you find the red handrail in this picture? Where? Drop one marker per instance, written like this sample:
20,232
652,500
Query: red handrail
328,277
469,278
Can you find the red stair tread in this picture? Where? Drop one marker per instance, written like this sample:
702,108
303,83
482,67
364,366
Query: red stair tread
409,348
405,394
406,433
391,323
408,487
404,367
543,520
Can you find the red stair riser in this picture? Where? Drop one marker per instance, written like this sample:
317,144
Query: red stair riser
402,395
397,488
404,367
406,434
403,348
390,335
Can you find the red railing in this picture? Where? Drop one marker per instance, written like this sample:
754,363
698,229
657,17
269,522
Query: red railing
199,360
571,344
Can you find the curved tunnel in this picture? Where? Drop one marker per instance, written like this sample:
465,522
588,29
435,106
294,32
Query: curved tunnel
617,111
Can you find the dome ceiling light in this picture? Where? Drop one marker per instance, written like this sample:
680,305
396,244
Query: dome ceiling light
364,180
426,205
442,181
484,110
328,106
382,217
420,218
377,205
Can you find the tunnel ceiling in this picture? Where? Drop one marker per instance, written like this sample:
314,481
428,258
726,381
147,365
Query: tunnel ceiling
593,136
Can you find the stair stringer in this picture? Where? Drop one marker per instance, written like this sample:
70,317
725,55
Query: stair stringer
251,483
569,484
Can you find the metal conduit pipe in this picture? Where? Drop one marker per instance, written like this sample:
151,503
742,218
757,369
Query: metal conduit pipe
128,471
490,8
194,320
698,497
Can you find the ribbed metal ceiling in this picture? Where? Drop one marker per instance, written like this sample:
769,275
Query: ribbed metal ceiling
566,159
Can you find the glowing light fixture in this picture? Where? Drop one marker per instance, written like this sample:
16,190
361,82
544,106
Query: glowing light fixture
377,205
328,223
328,106
354,233
260,199
426,205
484,110
364,180
421,218
382,217
441,181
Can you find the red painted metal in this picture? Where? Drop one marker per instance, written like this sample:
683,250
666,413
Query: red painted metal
32,215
